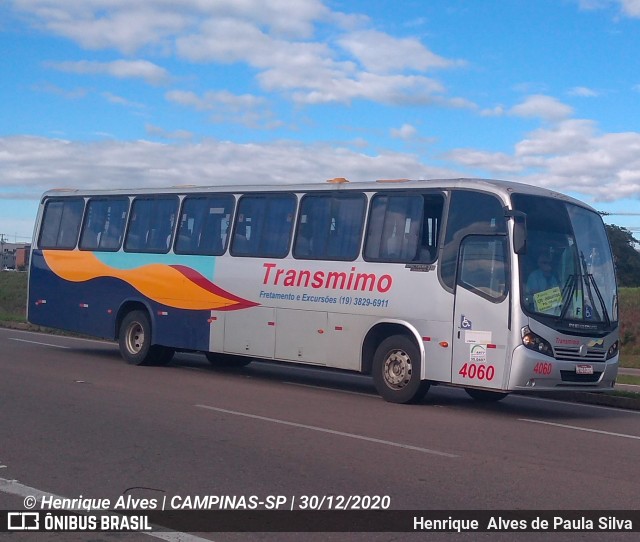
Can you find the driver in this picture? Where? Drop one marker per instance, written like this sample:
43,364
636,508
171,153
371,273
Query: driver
542,278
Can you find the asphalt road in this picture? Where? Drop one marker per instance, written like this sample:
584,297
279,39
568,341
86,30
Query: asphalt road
76,420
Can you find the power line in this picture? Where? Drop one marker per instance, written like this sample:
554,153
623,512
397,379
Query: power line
623,213
15,237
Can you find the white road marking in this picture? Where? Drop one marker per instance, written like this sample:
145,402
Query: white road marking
586,429
49,335
39,343
13,487
330,431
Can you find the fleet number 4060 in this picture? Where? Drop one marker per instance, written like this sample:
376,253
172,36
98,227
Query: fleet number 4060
479,372
543,368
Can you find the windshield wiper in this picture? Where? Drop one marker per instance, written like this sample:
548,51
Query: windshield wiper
591,281
569,288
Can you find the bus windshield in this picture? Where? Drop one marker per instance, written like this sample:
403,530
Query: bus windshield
567,274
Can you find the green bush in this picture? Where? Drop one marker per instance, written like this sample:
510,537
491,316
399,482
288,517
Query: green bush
13,296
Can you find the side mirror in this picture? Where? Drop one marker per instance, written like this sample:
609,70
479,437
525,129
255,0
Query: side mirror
519,230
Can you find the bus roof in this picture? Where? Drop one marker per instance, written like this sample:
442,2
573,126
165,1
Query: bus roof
500,187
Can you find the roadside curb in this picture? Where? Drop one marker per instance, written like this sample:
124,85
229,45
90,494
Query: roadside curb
592,398
20,325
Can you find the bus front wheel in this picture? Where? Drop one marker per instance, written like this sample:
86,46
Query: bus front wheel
396,370
134,339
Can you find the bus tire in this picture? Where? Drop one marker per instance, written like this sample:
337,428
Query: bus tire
161,355
396,370
134,339
227,360
485,396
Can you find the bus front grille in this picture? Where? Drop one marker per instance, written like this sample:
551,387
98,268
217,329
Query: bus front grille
573,354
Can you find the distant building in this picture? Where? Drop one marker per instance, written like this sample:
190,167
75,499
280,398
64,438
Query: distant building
14,256
23,254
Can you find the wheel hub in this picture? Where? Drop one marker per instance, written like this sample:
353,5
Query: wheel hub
135,338
397,369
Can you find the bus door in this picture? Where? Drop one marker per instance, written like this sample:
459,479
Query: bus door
481,312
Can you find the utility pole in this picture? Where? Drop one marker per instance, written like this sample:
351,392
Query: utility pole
2,242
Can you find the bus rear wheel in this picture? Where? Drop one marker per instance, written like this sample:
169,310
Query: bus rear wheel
134,338
396,370
485,396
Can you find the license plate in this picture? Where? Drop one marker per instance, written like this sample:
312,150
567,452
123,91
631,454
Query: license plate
584,369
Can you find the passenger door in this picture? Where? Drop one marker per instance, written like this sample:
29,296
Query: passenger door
481,312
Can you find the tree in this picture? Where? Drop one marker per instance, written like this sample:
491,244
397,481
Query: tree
627,258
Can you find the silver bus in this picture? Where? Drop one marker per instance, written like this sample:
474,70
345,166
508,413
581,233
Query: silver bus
491,286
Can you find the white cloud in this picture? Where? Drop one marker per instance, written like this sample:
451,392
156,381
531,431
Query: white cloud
119,100
31,165
129,26
496,111
566,137
406,131
245,109
157,131
498,163
541,106
212,100
276,38
382,53
74,94
630,8
583,92
122,69
570,156
594,4
104,24
188,99
229,40
312,73
388,89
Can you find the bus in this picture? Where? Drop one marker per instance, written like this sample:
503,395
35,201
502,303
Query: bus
491,286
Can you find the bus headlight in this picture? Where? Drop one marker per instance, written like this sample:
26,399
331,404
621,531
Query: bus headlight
535,342
613,350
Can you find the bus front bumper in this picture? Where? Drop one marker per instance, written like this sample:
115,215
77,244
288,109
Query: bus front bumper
531,371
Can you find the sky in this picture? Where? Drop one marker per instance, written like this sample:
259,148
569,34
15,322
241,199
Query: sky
155,93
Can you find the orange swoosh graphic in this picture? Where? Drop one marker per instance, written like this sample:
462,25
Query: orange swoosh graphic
173,285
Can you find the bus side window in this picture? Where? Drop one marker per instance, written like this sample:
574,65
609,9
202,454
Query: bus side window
263,225
348,214
330,227
91,229
204,221
431,222
403,227
470,212
61,223
104,224
151,225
